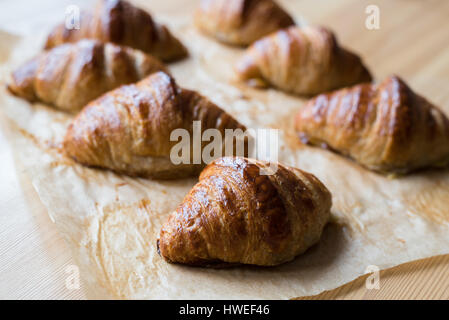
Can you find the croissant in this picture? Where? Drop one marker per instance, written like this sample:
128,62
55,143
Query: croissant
304,61
128,130
236,215
385,127
240,22
71,75
122,23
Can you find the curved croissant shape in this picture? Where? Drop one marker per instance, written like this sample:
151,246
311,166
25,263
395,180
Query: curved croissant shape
71,75
240,22
128,130
236,215
122,23
385,127
304,61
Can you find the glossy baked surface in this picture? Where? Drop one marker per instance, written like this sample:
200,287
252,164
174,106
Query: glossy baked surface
128,130
235,214
385,127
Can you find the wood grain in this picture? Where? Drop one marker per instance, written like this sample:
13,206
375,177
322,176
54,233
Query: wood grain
422,279
412,42
33,256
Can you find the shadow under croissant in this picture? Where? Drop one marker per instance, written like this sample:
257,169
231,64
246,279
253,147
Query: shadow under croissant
319,256
258,88
392,174
164,175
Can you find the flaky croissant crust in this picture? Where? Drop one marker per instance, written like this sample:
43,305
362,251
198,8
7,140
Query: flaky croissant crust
128,130
120,22
304,61
385,127
240,22
71,75
236,215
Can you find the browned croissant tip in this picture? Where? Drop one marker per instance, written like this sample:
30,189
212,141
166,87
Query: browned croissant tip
365,74
214,264
55,34
235,214
22,80
178,50
128,130
70,75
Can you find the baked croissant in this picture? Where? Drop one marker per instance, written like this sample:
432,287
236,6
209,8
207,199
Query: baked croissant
236,215
71,75
122,23
240,22
128,130
304,61
385,127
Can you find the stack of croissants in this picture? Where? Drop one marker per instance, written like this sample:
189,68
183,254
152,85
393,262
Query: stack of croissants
111,73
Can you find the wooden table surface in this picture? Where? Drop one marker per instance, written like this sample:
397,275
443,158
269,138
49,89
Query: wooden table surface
412,41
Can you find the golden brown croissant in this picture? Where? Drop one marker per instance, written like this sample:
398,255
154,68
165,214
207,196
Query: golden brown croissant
236,215
305,61
128,130
71,75
122,23
240,22
385,127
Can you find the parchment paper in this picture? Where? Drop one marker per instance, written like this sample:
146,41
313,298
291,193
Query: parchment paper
111,222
